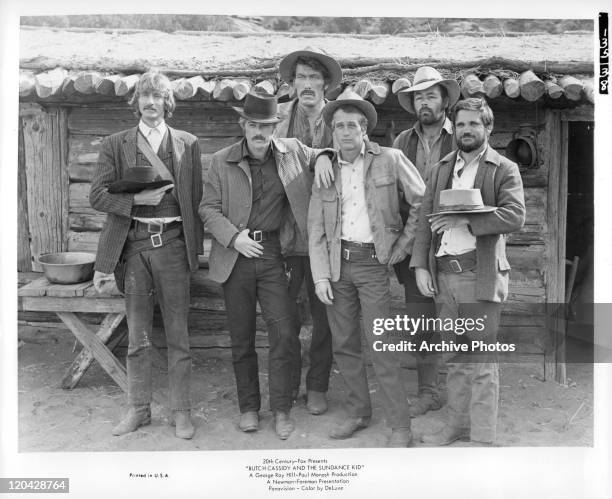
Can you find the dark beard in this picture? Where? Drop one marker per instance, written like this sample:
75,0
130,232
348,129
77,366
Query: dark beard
430,118
469,147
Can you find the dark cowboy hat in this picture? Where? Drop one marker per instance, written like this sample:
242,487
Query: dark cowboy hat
260,108
334,69
137,179
459,201
424,78
350,97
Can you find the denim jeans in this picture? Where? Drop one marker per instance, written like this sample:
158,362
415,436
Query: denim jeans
320,353
261,279
163,273
364,287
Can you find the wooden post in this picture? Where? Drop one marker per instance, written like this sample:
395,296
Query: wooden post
400,84
126,83
471,86
532,88
45,135
512,88
24,255
493,87
572,87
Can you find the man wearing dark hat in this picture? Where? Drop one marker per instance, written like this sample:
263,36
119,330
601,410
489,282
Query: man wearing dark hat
460,260
430,99
311,73
256,197
355,231
149,182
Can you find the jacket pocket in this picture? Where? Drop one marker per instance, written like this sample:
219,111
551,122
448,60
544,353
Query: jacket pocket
383,180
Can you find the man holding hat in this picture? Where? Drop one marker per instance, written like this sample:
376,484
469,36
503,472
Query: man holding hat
311,73
255,199
149,182
355,231
460,260
430,99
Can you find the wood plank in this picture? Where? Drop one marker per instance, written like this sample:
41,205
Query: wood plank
89,340
35,288
79,196
24,254
86,221
82,362
83,241
77,304
47,194
68,290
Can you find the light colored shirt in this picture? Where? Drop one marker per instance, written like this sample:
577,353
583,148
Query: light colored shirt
355,218
428,154
459,240
153,135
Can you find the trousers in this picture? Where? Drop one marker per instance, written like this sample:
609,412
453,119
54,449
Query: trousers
320,353
163,274
261,279
364,287
473,378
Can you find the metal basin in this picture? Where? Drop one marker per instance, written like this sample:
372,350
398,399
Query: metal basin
68,267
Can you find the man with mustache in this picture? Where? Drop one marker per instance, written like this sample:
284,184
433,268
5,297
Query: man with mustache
255,199
354,232
460,260
311,73
150,240
430,98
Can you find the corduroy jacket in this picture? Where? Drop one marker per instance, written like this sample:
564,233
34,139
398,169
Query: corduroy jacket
117,153
389,178
226,205
500,183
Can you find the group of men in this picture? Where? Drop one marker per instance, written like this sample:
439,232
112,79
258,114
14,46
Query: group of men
305,198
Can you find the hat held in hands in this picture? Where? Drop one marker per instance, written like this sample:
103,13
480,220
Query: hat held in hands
461,201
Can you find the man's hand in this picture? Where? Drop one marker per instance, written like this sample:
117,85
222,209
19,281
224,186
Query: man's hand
103,283
440,223
246,246
424,282
324,292
397,254
151,197
324,173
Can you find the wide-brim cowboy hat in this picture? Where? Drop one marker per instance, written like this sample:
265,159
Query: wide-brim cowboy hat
461,201
424,78
259,107
348,97
333,67
136,179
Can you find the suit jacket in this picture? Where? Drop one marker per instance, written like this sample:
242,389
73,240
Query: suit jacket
389,178
117,153
228,194
500,183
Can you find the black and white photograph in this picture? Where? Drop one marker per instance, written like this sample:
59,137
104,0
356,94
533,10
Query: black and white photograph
261,251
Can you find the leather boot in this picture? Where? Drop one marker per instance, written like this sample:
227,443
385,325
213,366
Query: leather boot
283,424
347,428
446,436
316,402
249,421
183,426
423,404
136,417
400,437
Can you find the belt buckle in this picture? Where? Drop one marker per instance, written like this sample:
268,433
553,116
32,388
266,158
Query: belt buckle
455,266
346,253
257,236
158,231
156,240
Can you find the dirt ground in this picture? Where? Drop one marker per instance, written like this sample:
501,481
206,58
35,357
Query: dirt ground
532,412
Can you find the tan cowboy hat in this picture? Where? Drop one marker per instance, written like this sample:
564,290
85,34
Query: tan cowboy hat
260,108
335,71
354,99
426,77
459,201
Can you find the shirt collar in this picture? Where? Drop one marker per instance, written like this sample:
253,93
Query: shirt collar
341,162
461,162
146,129
247,155
446,127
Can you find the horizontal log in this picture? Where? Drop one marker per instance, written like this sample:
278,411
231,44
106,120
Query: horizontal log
553,90
50,83
267,86
175,85
572,87
224,90
125,84
68,90
532,88
512,88
379,92
27,83
106,84
589,92
492,86
471,86
86,82
85,221
188,87
285,90
241,89
400,84
206,89
362,88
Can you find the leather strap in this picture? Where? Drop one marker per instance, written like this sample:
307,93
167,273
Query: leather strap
154,159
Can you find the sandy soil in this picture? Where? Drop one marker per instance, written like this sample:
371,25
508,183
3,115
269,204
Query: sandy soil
532,412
